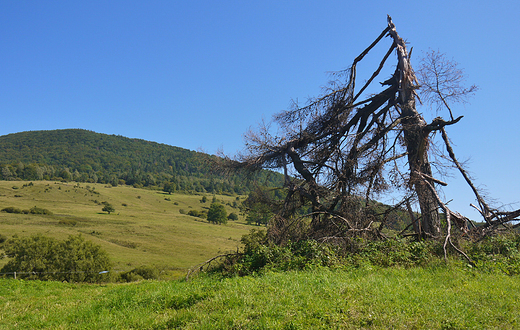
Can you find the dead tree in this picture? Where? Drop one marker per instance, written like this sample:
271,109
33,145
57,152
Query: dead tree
340,151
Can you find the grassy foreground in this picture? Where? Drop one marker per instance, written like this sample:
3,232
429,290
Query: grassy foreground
416,298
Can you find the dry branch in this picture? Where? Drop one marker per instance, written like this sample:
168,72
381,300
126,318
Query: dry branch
340,151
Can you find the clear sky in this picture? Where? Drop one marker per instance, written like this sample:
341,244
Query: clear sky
198,74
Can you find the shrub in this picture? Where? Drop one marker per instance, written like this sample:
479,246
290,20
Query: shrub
33,210
396,252
497,253
11,209
259,254
43,258
141,273
39,210
196,213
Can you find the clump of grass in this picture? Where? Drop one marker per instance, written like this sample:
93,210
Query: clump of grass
128,244
145,272
68,222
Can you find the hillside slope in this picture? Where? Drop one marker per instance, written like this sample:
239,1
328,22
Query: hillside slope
147,227
86,156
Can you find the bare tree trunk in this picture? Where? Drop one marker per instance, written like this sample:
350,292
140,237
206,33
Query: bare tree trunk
416,137
417,146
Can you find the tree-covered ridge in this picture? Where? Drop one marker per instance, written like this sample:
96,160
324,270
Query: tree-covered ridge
86,156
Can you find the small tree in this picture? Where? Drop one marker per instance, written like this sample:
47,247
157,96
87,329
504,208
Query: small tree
259,214
169,187
217,213
108,208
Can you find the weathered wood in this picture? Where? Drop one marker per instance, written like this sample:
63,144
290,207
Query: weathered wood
416,138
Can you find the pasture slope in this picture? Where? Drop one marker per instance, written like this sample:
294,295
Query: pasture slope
147,227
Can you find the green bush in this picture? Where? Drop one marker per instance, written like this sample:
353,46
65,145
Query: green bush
499,254
33,210
39,210
496,253
259,255
395,252
11,209
3,238
43,258
232,216
198,214
140,273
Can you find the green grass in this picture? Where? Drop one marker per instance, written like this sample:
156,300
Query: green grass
145,229
417,298
150,230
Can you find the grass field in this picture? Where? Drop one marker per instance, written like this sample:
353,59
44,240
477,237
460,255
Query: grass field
390,298
146,228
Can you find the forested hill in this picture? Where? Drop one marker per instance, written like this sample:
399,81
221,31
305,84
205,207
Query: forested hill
86,156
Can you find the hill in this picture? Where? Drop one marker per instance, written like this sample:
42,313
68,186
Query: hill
86,156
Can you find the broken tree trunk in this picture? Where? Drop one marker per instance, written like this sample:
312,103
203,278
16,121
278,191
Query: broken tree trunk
416,138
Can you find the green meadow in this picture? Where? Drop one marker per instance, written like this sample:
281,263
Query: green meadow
150,228
146,228
360,298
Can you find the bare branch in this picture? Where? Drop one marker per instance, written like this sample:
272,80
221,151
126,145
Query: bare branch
442,81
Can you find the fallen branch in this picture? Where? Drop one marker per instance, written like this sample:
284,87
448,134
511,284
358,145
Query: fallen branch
200,266
448,213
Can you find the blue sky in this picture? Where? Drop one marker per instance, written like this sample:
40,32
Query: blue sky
198,74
